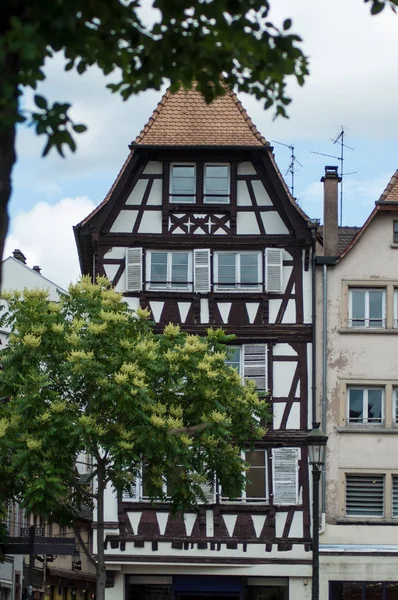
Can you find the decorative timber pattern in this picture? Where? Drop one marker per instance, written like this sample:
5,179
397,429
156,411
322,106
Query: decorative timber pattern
206,234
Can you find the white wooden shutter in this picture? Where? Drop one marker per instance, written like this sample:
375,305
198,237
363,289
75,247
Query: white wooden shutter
285,475
133,269
273,269
255,364
201,259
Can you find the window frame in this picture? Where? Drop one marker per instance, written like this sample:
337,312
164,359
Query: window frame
366,318
395,231
364,475
365,406
220,198
176,198
243,498
168,285
238,286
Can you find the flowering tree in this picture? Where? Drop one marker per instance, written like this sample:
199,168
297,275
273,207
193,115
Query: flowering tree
88,375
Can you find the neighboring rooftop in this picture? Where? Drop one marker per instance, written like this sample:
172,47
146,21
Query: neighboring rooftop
346,235
390,194
184,119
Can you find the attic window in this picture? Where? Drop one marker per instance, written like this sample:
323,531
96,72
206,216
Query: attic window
183,184
216,184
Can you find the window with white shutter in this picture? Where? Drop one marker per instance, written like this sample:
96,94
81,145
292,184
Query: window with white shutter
273,270
395,496
133,269
255,364
364,495
285,475
201,260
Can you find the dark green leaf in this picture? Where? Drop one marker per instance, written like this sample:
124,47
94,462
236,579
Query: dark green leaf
40,102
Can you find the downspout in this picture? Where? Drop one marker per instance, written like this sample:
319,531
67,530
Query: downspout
324,373
313,370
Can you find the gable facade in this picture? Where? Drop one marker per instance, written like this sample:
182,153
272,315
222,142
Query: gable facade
200,228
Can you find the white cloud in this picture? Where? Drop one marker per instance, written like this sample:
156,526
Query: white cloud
45,236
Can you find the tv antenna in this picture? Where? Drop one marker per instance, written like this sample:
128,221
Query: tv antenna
292,164
339,140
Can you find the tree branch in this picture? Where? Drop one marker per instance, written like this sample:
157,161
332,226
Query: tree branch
189,430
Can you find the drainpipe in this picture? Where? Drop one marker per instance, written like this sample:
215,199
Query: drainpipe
324,373
314,225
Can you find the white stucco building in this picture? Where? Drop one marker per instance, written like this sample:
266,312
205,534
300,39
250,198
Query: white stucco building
357,376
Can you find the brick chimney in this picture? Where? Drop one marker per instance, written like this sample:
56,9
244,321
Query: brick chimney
330,182
19,256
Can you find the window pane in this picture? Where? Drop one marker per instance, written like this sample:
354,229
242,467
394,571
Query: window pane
395,231
376,308
255,476
373,590
233,359
375,398
249,269
216,182
391,591
183,183
226,269
179,268
355,406
358,308
159,267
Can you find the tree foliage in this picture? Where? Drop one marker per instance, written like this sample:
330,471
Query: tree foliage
87,376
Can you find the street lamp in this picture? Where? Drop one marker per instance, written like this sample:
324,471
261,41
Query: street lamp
316,441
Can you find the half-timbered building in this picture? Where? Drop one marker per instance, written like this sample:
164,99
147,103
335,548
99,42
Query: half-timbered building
200,228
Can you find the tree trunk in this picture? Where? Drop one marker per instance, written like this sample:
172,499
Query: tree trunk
101,571
7,160
8,113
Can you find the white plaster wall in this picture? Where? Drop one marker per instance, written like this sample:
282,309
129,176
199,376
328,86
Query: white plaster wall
137,192
17,276
153,167
300,588
246,168
357,355
246,223
124,221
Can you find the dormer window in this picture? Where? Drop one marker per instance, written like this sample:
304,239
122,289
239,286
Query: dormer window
216,184
183,183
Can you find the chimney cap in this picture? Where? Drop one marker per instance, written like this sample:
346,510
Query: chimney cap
37,269
19,255
331,172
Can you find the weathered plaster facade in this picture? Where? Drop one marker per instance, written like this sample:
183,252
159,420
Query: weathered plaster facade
360,547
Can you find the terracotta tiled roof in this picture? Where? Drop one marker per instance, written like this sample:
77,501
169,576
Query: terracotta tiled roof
345,237
390,194
184,119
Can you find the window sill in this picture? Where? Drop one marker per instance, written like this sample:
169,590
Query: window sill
367,429
394,245
367,520
360,330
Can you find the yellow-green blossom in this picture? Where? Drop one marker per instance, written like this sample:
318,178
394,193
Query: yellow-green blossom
174,423
185,439
77,355
123,445
157,421
86,421
111,316
33,444
4,423
176,411
171,331
121,378
129,368
35,293
57,327
143,313
45,417
54,307
97,328
58,406
31,341
126,344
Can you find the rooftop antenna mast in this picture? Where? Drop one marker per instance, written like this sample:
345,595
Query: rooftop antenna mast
339,140
292,164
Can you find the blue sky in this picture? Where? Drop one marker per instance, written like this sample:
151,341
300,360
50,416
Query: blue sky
353,83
